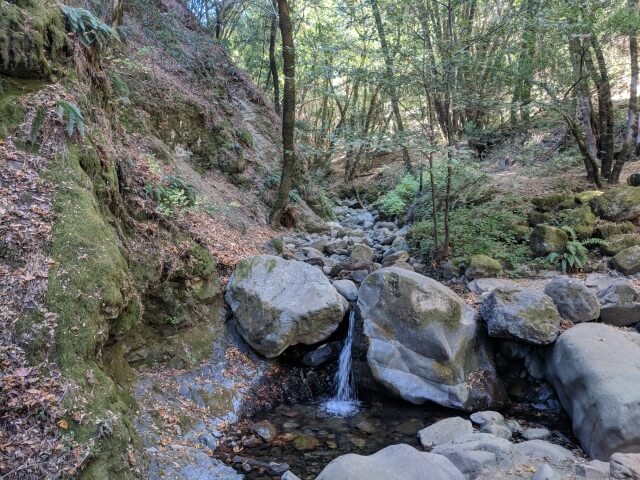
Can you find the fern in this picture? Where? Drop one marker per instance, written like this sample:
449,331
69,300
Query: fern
595,242
91,31
74,118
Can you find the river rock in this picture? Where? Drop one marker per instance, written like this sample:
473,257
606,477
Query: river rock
532,450
304,443
361,253
480,418
488,285
279,303
545,239
482,266
521,313
395,461
620,303
618,204
347,289
594,470
265,430
394,257
444,431
628,260
323,354
595,369
625,466
424,342
573,299
477,452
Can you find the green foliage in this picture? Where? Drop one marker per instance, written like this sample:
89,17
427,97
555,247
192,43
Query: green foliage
482,229
91,31
172,195
576,254
74,118
395,202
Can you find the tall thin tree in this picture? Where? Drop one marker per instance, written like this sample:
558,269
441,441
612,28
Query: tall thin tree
288,114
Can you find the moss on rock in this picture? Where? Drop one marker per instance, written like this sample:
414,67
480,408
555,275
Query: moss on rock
607,230
32,38
581,220
554,201
618,204
628,260
483,266
545,239
617,243
583,198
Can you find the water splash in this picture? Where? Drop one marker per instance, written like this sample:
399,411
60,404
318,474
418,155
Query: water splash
345,402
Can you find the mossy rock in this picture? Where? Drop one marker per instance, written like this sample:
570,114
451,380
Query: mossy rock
581,220
554,201
91,292
545,239
483,266
607,230
628,260
522,232
618,204
32,38
583,198
617,243
537,218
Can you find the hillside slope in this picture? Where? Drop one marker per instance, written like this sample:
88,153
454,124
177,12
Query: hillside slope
133,178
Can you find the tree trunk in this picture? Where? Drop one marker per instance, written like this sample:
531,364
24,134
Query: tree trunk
605,112
272,59
117,12
288,114
633,116
588,144
393,91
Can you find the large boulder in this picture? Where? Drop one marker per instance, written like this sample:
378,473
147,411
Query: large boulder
521,313
581,220
424,343
628,260
595,369
620,303
545,239
574,300
618,204
395,461
280,302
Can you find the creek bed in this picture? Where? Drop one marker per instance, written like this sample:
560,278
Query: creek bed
375,426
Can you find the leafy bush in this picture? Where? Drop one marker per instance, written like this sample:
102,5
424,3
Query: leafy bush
174,194
575,254
488,229
91,31
394,203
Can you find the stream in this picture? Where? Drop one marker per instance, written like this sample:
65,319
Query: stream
306,437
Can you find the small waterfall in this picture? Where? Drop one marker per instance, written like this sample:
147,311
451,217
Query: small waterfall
344,402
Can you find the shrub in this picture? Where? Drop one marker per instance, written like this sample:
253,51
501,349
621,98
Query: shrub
483,229
174,194
395,202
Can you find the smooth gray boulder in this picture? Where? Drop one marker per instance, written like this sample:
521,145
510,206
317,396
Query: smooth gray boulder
595,370
523,314
444,431
478,452
573,299
424,343
620,304
347,289
594,470
532,450
279,303
395,461
361,253
625,466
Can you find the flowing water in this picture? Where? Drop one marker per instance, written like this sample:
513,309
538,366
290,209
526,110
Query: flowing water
345,401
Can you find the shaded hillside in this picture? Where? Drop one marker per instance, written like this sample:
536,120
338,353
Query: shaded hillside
133,177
